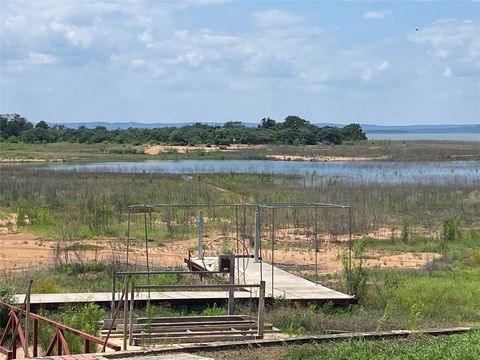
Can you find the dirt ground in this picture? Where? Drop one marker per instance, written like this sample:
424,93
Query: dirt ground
159,149
254,353
23,251
324,158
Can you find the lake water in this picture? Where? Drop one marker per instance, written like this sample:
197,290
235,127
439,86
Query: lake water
424,136
351,171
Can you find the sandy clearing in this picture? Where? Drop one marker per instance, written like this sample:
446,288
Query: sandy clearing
324,158
183,149
159,149
23,251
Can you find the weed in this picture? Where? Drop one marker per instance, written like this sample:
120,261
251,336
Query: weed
85,318
415,315
355,279
7,296
451,229
214,310
464,347
405,232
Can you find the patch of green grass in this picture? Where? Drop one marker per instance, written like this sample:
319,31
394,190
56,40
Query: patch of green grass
87,277
85,318
171,311
461,347
45,231
420,244
83,247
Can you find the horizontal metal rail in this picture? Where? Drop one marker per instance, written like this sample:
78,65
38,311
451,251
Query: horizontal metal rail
297,205
197,286
153,206
263,205
166,272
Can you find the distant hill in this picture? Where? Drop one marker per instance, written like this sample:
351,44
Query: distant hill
137,125
368,128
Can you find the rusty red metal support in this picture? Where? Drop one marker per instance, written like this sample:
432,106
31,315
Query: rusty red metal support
13,331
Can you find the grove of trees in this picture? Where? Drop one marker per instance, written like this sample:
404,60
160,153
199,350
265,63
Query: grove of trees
293,131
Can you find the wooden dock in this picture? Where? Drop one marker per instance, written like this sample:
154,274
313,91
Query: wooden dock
285,285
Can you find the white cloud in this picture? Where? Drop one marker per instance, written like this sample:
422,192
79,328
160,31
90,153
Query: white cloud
450,38
385,65
77,35
376,15
40,59
452,43
447,72
282,58
31,59
138,62
276,19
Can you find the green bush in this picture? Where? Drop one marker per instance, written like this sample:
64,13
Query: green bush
297,321
21,213
46,286
358,275
214,310
85,318
7,296
451,229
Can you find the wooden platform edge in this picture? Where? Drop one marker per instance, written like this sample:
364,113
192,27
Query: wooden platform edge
292,341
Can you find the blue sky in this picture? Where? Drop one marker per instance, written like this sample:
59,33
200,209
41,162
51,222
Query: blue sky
381,62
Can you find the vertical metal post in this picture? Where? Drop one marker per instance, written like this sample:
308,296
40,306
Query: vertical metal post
231,291
244,232
35,338
113,320
128,237
200,234
113,289
256,239
125,314
146,247
86,346
273,251
132,308
261,310
27,319
260,243
237,244
350,250
316,245
244,238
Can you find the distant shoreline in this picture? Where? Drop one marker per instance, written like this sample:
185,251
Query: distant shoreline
426,136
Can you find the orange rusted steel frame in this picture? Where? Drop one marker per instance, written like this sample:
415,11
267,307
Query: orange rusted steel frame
14,325
58,338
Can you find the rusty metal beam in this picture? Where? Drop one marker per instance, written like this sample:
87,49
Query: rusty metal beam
59,326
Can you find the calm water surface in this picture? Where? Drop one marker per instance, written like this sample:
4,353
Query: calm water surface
424,136
353,171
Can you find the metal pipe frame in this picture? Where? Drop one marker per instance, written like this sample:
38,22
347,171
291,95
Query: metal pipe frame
198,286
165,272
265,205
315,206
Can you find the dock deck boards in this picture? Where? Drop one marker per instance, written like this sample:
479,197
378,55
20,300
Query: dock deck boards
286,285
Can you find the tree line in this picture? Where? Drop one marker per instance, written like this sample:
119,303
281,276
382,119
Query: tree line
293,131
